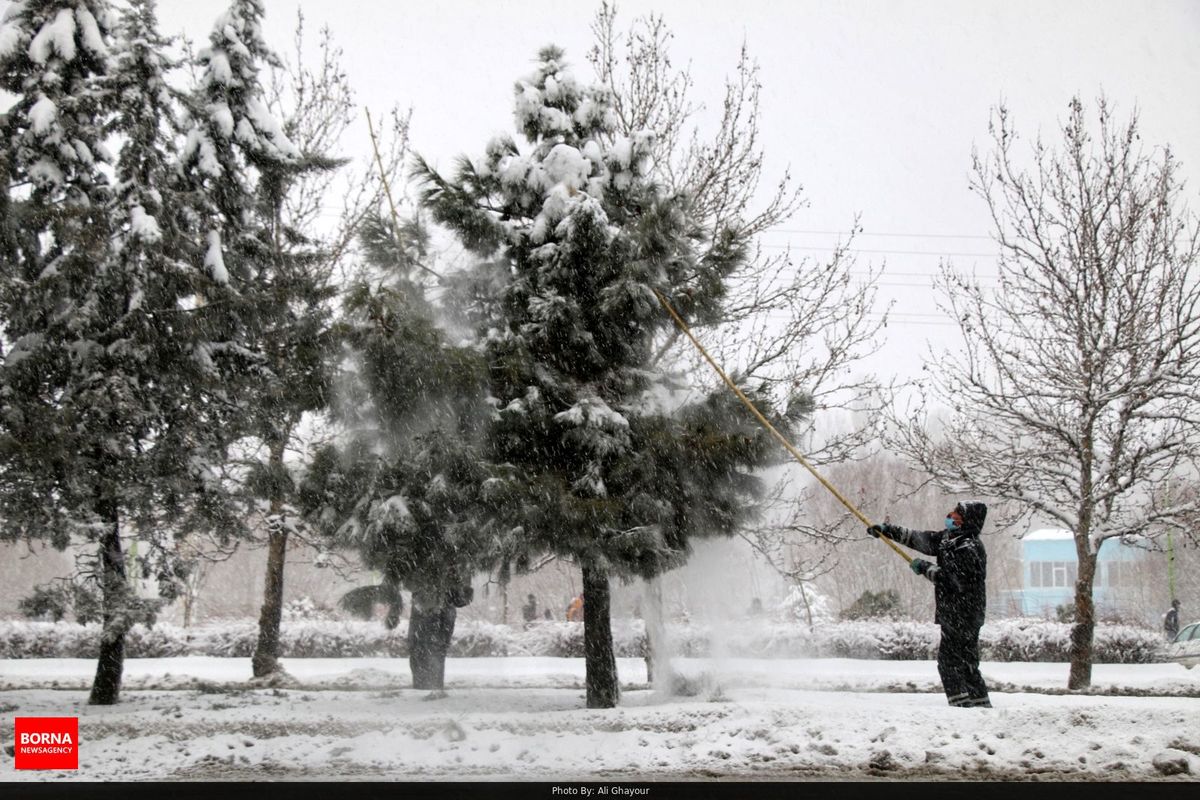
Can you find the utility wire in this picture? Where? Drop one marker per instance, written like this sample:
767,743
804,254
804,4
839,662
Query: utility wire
899,235
878,252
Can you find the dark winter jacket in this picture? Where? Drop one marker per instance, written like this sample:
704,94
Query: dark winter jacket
1171,623
960,590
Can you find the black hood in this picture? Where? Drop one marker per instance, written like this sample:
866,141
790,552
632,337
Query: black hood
973,515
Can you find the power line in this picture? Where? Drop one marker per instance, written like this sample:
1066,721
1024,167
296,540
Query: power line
900,235
921,322
901,317
879,252
915,284
890,274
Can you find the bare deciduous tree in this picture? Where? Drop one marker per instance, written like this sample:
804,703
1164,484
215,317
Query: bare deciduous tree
318,108
1076,394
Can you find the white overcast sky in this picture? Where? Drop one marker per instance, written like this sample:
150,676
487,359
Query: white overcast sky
874,105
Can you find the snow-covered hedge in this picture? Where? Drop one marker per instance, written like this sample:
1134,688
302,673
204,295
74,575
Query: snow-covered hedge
1005,640
1042,640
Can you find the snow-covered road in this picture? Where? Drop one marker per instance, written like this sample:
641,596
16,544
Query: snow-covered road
523,719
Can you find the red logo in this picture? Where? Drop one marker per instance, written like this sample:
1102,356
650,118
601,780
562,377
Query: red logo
47,743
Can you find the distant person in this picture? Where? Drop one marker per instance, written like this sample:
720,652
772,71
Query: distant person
546,614
529,610
1171,621
960,595
756,608
575,609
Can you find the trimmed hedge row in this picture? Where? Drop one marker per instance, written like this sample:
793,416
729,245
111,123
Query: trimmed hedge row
1005,640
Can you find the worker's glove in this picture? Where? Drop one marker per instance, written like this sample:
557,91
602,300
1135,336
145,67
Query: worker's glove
885,529
921,566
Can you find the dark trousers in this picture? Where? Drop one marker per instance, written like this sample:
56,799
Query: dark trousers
958,665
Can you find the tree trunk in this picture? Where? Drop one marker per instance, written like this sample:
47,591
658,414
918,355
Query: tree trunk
419,645
505,576
1080,676
266,651
1085,624
191,591
106,688
807,607
430,628
600,661
188,601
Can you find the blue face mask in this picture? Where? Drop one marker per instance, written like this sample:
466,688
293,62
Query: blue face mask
950,526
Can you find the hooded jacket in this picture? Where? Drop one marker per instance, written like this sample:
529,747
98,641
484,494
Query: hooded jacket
960,579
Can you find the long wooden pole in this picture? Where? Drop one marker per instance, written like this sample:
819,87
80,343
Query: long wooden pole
783,440
387,189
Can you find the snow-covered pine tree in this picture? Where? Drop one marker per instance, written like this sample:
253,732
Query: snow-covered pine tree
607,465
269,300
56,232
232,141
407,486
104,419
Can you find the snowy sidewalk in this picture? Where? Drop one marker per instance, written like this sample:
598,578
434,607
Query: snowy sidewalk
833,674
524,719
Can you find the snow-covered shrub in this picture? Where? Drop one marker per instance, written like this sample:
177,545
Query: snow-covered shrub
1046,640
629,639
304,608
1004,640
556,639
320,639
232,639
874,605
565,639
480,639
909,641
1127,644
694,640
805,603
784,641
1024,639
161,641
49,640
852,639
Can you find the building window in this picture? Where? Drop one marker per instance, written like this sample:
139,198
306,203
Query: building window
1052,574
1119,573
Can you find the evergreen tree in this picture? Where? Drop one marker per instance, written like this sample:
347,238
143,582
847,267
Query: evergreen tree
407,486
297,343
272,292
606,464
232,144
105,423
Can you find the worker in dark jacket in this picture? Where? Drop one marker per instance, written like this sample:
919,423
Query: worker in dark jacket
1171,621
959,592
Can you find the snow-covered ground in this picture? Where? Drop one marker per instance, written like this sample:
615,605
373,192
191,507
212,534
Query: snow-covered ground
523,719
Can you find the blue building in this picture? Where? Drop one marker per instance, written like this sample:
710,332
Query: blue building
1049,568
